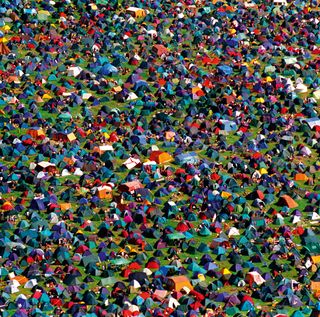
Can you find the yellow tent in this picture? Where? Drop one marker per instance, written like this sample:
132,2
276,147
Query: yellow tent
263,171
71,137
5,28
225,271
93,6
315,259
46,96
201,277
65,206
225,195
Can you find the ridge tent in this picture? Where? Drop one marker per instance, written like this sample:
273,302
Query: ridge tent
187,158
177,283
160,157
136,12
130,187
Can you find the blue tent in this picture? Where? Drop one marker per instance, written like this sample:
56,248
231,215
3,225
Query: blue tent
228,125
107,70
189,158
225,70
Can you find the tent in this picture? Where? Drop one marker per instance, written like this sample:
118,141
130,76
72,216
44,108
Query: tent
315,288
300,177
104,192
228,125
74,71
160,50
136,12
287,201
131,163
130,187
4,49
160,157
36,133
280,2
189,158
178,283
254,277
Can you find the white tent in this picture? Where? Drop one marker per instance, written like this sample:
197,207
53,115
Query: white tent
45,164
135,284
31,283
301,88
11,289
314,216
74,71
316,94
78,172
65,172
104,148
280,2
147,271
296,219
132,96
173,303
152,33
233,232
131,162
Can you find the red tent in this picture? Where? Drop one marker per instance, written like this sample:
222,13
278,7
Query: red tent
160,49
183,226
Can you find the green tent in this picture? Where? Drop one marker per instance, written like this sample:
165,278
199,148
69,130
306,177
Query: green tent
108,281
120,261
173,237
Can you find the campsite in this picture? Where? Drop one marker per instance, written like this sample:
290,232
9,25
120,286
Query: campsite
159,158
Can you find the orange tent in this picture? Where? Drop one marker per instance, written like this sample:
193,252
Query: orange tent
177,283
169,135
36,133
4,49
197,91
286,200
162,82
300,177
104,192
65,206
136,12
315,287
161,157
160,49
21,279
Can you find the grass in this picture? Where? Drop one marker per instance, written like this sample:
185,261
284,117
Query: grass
226,155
